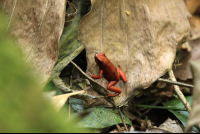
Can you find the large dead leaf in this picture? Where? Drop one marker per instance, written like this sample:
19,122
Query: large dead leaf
140,36
38,26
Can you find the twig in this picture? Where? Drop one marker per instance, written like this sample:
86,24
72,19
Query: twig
175,83
179,93
118,127
122,119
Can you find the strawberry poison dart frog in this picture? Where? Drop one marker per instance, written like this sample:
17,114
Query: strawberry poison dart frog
110,72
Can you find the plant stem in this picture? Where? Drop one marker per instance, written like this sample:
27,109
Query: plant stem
161,107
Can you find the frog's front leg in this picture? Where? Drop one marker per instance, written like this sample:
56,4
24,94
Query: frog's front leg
97,77
111,87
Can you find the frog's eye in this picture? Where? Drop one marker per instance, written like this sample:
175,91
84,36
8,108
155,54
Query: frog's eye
103,54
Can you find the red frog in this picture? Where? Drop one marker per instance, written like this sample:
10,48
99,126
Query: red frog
110,72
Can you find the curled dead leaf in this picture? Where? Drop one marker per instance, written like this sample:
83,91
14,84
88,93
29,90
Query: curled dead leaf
182,70
169,126
69,17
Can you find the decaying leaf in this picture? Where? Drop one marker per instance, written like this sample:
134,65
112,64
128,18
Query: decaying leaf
195,113
183,70
193,6
37,25
142,43
195,27
169,126
69,17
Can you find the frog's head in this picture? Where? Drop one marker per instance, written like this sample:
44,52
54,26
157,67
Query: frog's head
100,59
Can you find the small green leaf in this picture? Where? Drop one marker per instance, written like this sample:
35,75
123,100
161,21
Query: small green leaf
177,103
146,118
102,118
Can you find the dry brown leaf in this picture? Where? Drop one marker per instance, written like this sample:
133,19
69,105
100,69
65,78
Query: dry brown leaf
186,46
195,27
37,25
70,17
192,5
183,70
168,126
142,43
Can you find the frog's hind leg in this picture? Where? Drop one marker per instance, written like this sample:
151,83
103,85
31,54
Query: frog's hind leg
122,75
111,87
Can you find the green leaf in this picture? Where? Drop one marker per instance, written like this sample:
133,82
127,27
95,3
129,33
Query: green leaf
182,115
77,104
69,45
177,103
102,118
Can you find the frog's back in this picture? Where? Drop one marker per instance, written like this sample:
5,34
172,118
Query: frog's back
110,72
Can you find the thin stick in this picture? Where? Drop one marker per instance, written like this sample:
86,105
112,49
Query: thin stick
118,127
179,93
175,83
122,119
